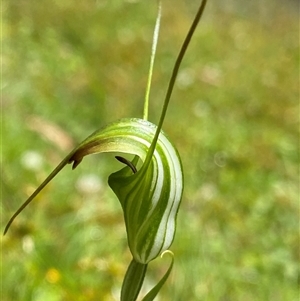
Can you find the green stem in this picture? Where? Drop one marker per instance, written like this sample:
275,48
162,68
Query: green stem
173,78
154,47
133,281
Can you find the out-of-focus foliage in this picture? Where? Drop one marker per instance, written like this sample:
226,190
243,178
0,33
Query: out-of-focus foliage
70,67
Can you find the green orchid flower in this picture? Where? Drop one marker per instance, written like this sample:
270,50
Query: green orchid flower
149,187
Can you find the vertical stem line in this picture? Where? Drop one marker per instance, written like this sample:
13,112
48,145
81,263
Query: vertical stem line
153,52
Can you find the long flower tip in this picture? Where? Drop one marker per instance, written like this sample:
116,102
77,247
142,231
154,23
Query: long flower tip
6,229
12,219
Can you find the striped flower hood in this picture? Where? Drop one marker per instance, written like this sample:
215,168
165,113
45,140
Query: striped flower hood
150,196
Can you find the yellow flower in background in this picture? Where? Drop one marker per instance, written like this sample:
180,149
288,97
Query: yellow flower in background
53,275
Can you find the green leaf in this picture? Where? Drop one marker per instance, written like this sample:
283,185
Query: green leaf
153,293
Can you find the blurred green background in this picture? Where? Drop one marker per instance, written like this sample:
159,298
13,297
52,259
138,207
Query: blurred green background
70,67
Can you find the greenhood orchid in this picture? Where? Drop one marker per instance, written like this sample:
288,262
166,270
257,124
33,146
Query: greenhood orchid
149,187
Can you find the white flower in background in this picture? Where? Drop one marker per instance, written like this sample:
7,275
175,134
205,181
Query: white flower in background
32,160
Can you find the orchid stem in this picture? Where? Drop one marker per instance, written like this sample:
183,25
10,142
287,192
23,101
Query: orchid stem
153,52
